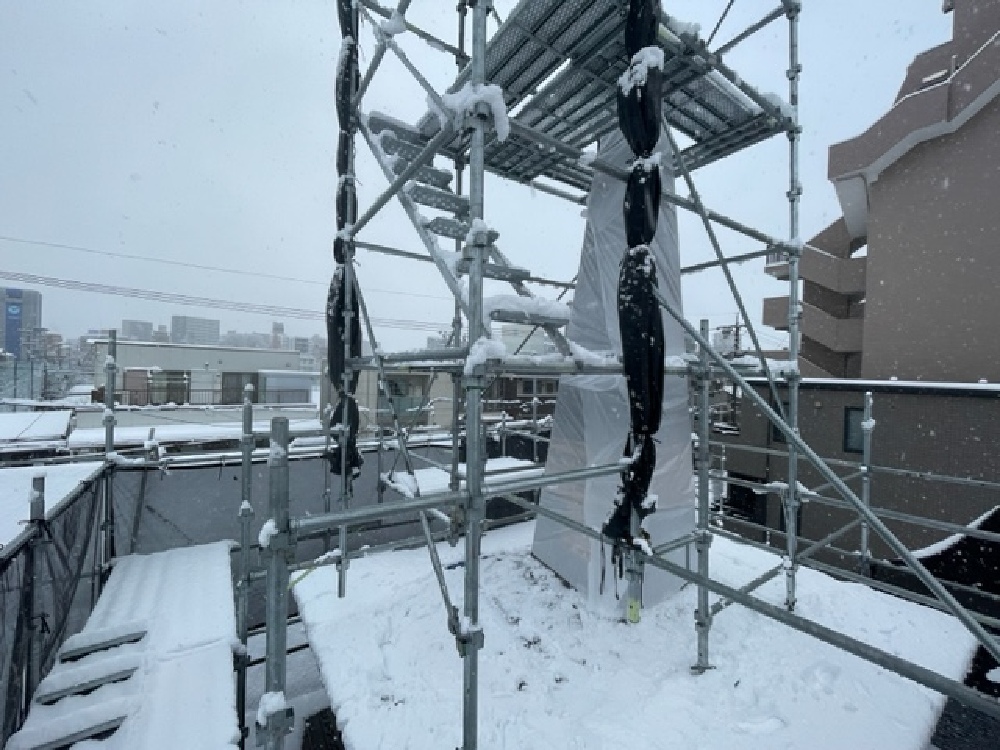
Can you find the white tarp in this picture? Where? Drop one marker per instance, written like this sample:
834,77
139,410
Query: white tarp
34,425
592,412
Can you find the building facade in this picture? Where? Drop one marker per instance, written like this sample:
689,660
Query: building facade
20,322
185,329
922,430
917,191
137,330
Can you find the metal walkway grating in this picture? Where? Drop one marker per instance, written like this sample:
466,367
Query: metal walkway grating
558,62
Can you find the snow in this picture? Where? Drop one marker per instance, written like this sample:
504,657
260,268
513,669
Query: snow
275,454
429,481
948,542
270,703
34,425
482,350
994,675
268,530
586,357
638,69
180,433
61,481
181,695
395,25
528,305
478,226
463,101
778,367
555,674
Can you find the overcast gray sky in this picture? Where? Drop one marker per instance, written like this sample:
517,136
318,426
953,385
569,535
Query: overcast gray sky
204,132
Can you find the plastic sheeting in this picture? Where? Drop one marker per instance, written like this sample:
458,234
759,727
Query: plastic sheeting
591,421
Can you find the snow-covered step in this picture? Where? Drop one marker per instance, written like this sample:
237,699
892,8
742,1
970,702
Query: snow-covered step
443,200
379,122
445,226
535,311
102,639
82,688
395,146
83,728
528,318
512,274
439,178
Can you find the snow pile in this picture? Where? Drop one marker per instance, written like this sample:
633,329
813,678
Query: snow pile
181,693
554,674
482,350
463,102
638,69
275,454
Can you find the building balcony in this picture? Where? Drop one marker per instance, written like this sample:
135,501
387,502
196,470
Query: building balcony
840,275
841,335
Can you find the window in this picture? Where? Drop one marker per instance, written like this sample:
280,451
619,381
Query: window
854,436
527,387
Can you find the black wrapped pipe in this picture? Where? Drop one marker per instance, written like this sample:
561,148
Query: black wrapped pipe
639,319
336,332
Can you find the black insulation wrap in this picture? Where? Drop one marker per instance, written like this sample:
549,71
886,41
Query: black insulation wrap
642,204
336,331
639,319
641,328
639,113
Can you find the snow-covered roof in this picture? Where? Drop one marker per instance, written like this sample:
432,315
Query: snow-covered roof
15,491
34,425
556,673
180,433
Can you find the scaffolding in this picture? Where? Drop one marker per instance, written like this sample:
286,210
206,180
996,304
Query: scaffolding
554,66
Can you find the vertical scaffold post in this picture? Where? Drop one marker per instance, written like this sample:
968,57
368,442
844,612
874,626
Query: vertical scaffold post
703,541
277,545
36,519
470,636
867,426
792,501
108,522
243,585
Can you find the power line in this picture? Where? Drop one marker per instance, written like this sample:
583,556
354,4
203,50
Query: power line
196,266
254,308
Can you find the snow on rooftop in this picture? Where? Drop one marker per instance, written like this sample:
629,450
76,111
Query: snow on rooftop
61,481
182,694
180,433
554,673
34,425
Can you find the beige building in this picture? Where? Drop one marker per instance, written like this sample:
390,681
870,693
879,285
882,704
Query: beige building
918,190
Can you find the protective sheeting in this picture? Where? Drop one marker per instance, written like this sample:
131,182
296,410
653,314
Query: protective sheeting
52,583
591,420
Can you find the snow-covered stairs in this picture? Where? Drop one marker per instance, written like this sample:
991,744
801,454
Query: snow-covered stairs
153,667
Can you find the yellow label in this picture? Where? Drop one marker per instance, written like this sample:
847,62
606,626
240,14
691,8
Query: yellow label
633,611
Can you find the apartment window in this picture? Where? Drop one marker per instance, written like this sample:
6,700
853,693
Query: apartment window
527,387
854,436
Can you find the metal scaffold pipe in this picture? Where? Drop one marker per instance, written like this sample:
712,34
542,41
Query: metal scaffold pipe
277,545
792,500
